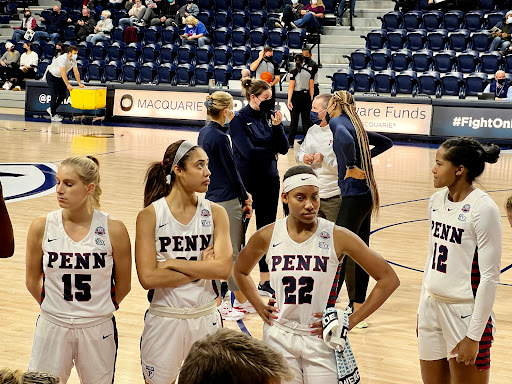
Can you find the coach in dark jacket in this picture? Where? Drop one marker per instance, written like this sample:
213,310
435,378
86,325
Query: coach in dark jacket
56,23
85,25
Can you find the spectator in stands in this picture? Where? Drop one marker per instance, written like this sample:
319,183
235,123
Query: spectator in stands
312,67
59,50
57,79
85,25
245,73
290,14
168,17
405,6
9,63
28,66
342,7
55,26
500,87
300,94
7,238
189,9
502,39
27,23
229,357
195,32
265,63
135,13
312,16
449,5
102,29
155,9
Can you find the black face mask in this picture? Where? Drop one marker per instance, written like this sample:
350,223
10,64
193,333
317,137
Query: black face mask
327,117
306,59
27,15
502,81
55,13
266,106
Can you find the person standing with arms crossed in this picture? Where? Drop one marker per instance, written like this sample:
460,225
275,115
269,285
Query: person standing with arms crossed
351,144
258,138
57,79
265,63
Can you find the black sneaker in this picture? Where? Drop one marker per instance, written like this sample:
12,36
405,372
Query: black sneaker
265,289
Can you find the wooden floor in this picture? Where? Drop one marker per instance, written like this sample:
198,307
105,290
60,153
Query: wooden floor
385,351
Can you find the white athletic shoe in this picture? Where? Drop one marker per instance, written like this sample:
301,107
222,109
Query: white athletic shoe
229,314
243,307
49,110
7,85
56,118
362,324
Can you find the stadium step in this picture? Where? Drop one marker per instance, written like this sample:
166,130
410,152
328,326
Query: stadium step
12,99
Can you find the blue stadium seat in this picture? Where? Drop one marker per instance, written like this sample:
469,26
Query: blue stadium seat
132,52
222,18
99,50
277,37
222,36
240,37
422,61
222,55
444,61
490,62
205,4
152,35
240,19
486,5
257,5
385,82
507,64
416,40
475,83
131,71
452,84
113,71
170,35
281,56
204,55
407,82
397,39
240,5
148,72
259,37
359,59
241,55
432,20
364,80
48,51
41,69
115,52
278,5
480,41
186,54
255,52
453,20
166,73
150,53
296,38
82,66
257,19
468,62
207,17
429,83
222,74
237,72
400,60
342,80
474,20
376,39
186,74
422,5
168,54
222,5
117,35
95,71
413,20
437,40
459,40
494,18
204,73
381,59
392,20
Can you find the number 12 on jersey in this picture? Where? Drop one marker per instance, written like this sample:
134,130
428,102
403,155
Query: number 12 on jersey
442,257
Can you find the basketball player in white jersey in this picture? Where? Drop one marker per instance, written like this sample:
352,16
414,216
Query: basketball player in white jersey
303,253
455,318
182,245
78,270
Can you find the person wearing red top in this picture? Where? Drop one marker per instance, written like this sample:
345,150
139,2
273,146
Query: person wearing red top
312,16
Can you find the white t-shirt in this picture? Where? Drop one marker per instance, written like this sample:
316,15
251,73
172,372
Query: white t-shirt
319,139
61,62
28,60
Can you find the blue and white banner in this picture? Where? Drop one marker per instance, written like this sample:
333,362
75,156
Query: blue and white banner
22,181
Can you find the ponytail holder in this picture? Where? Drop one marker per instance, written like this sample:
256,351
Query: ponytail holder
168,179
162,162
208,103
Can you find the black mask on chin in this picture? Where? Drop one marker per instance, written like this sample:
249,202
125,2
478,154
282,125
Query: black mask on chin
266,106
306,59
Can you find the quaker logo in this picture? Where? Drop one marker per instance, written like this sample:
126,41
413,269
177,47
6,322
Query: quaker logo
206,223
462,218
323,245
150,371
126,102
23,181
205,213
99,241
325,235
99,231
466,208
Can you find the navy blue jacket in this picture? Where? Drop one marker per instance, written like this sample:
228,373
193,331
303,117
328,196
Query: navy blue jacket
225,181
56,23
256,144
346,149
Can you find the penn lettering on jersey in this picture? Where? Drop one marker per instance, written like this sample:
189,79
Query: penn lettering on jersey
447,232
70,260
300,263
184,243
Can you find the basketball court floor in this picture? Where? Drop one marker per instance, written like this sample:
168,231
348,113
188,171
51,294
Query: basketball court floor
385,351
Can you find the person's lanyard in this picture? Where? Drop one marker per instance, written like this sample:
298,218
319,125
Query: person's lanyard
499,94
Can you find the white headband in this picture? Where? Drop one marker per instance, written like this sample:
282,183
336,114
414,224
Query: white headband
299,180
184,147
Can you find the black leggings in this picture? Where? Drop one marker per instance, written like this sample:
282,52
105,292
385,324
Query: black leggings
57,91
265,196
355,214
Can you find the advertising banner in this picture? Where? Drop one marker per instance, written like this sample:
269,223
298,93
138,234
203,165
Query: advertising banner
491,123
410,119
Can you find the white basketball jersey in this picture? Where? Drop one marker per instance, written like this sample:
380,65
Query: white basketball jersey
302,275
78,277
173,240
453,251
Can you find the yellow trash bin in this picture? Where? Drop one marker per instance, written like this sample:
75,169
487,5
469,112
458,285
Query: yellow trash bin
88,98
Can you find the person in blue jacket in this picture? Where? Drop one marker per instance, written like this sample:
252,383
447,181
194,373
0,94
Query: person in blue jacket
226,187
195,32
258,138
360,196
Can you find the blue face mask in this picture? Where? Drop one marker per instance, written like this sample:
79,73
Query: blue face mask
314,117
102,17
